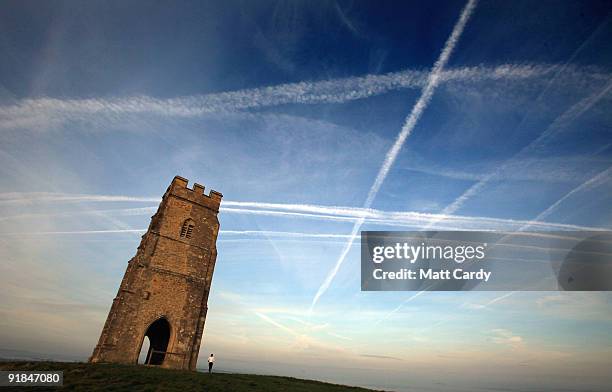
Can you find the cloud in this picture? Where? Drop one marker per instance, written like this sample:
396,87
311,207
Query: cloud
48,112
410,219
336,335
381,357
400,306
506,338
28,197
276,324
593,182
268,233
552,130
118,231
433,80
500,298
547,169
345,20
594,306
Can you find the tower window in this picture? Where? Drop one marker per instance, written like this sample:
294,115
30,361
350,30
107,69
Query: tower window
187,228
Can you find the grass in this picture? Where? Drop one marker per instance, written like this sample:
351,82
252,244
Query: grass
135,378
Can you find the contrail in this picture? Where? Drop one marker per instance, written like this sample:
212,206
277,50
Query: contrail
276,324
269,233
29,197
400,306
595,181
240,233
110,231
248,233
587,185
560,122
418,220
287,210
590,184
433,81
27,112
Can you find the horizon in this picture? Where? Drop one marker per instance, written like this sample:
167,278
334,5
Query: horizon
316,122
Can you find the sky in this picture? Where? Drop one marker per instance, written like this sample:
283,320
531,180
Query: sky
316,120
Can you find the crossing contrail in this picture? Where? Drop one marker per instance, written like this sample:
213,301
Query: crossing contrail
595,181
433,81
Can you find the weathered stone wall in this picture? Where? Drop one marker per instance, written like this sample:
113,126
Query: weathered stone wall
169,277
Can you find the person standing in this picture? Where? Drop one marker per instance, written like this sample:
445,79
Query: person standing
211,360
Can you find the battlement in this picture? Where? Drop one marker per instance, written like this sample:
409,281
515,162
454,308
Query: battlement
179,187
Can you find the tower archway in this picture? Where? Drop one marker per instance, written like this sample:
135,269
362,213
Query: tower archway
158,334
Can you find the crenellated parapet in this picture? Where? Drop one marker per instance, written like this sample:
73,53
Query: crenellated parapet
179,188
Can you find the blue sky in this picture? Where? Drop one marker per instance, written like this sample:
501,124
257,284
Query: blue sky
292,111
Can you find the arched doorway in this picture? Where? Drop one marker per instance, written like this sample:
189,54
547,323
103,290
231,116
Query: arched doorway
158,334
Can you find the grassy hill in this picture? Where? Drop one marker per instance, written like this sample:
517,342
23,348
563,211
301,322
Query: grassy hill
134,378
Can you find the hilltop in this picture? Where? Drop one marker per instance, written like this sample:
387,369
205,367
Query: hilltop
137,378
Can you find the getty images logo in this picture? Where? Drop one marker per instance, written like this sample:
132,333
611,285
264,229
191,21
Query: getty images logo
412,253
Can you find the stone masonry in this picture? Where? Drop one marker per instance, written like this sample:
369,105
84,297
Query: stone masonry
164,292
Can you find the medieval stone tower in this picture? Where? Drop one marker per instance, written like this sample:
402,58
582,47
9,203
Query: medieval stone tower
164,293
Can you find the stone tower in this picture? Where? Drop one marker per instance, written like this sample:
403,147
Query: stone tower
164,293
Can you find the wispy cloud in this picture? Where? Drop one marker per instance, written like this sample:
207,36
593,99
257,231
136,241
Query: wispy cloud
337,335
500,298
29,197
572,168
507,338
552,130
304,211
47,111
594,182
70,232
400,306
409,219
268,233
433,80
381,357
597,180
278,325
